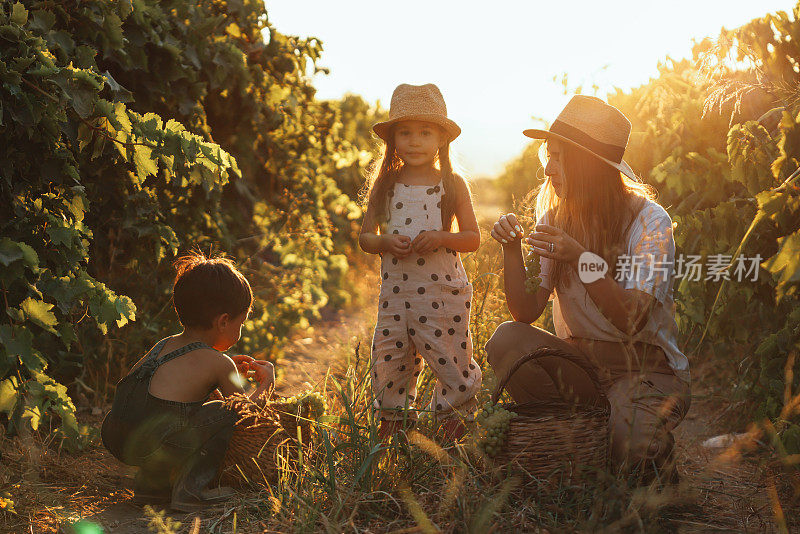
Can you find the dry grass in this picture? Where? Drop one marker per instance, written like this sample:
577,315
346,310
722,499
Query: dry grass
353,482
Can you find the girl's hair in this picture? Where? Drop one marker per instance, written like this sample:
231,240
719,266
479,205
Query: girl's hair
598,207
384,176
205,288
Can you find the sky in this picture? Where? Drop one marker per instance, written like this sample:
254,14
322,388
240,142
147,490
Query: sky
495,60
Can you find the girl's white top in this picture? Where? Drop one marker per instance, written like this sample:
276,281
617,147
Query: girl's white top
650,267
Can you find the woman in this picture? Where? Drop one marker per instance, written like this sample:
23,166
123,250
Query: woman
622,324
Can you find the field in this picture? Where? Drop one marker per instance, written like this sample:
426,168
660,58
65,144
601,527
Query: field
414,485
109,175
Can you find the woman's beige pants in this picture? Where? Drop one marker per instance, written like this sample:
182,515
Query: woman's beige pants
647,399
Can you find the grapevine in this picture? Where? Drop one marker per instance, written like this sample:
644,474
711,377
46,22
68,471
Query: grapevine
92,188
492,429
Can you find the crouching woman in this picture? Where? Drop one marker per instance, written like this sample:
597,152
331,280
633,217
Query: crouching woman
621,323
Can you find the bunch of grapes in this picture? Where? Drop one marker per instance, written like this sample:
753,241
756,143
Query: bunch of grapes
532,271
313,400
492,431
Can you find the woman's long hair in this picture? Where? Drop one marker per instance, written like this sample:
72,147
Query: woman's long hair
598,206
384,176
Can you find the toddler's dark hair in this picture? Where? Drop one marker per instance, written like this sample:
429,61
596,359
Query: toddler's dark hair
205,288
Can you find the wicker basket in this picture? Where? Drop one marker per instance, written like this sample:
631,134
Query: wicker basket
289,419
555,441
264,430
292,420
252,451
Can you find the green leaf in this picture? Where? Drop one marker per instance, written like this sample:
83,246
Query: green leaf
33,415
770,202
120,93
18,342
9,394
125,8
77,206
82,101
42,21
61,235
39,312
30,256
11,251
67,334
15,314
19,15
786,261
126,310
144,162
63,40
84,57
121,113
113,27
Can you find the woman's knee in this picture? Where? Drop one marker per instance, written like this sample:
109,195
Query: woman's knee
506,338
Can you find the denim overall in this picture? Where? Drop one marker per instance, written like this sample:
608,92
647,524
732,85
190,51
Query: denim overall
178,444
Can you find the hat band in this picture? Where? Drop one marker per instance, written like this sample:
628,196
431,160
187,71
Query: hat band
611,152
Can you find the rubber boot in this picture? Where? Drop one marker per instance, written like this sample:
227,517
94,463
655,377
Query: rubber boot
191,492
153,482
152,487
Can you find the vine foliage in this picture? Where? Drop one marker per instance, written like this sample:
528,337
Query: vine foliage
131,131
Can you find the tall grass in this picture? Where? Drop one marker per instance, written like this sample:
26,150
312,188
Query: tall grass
351,480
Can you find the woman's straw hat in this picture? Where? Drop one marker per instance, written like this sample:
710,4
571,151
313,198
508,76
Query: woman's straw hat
594,126
417,102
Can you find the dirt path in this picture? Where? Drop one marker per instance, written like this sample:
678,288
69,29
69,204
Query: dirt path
720,495
308,359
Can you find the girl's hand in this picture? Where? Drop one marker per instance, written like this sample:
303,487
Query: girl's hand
507,229
397,245
566,249
427,241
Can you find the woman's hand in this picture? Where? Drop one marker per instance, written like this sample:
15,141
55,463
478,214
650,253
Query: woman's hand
565,248
397,245
427,242
507,229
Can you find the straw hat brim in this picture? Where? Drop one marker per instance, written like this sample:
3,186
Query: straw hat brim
622,167
382,129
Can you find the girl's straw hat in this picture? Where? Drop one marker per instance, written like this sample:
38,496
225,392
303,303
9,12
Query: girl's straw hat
417,102
594,126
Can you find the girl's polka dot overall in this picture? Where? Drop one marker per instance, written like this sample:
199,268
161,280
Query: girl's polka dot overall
423,315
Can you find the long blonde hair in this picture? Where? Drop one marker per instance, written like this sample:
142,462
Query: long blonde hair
598,206
383,177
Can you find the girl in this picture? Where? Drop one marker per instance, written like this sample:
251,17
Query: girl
623,322
425,297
